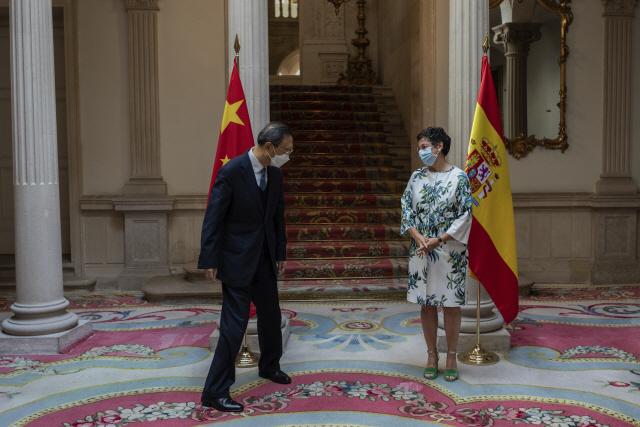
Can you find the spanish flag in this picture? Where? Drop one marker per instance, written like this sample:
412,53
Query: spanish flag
236,135
492,241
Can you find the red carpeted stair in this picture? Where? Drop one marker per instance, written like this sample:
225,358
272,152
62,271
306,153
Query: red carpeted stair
342,195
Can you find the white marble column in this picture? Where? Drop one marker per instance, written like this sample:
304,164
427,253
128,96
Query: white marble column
616,126
468,26
249,20
144,112
516,38
616,200
40,307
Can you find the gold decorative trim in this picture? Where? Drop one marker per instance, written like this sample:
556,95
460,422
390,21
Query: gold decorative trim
521,146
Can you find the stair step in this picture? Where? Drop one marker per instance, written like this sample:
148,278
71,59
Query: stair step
343,216
339,173
340,148
346,268
319,88
348,249
334,126
326,135
341,186
323,106
322,96
358,116
340,201
343,232
338,160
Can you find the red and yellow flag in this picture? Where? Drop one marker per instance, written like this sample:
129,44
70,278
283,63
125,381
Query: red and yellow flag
492,242
236,136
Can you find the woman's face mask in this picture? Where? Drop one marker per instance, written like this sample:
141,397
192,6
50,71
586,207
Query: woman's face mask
427,157
278,159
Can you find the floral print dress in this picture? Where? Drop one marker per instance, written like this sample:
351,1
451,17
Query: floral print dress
437,203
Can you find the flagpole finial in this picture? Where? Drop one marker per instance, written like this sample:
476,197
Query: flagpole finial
486,45
236,46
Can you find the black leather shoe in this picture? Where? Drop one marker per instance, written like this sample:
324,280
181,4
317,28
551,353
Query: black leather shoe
277,377
223,404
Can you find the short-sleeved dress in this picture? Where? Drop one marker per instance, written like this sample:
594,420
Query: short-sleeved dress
437,203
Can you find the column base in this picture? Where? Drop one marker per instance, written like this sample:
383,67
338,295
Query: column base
498,341
616,185
44,344
145,187
252,335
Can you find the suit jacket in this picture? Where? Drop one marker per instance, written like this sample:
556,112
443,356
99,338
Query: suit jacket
236,223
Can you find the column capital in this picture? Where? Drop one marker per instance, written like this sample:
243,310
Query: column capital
516,37
618,7
141,4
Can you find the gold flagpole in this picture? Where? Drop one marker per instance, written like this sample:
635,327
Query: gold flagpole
478,355
236,47
245,359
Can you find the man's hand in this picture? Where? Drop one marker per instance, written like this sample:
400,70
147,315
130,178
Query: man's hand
210,274
281,265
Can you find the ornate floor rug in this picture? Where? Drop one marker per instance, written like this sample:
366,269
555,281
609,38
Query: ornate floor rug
342,196
573,363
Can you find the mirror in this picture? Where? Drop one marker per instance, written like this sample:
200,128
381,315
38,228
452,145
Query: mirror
530,78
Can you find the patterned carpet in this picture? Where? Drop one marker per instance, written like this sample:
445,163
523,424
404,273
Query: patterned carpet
573,363
342,194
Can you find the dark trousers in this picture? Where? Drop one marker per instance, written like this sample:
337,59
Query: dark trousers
263,291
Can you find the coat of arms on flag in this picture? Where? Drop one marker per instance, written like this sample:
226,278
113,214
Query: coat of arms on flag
483,162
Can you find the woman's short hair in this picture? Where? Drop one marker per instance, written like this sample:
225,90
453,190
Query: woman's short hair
436,135
274,132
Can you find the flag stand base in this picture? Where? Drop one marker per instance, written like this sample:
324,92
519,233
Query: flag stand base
246,359
478,356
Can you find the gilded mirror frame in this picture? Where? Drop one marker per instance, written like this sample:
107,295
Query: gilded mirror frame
522,145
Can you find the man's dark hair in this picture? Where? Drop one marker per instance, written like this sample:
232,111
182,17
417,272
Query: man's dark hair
274,132
436,135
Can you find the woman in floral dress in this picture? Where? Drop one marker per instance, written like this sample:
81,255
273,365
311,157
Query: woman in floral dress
436,213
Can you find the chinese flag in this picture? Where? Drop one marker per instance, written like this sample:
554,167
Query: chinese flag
236,136
492,241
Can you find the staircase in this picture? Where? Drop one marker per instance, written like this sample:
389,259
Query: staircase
342,192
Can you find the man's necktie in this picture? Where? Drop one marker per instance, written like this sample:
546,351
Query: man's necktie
263,179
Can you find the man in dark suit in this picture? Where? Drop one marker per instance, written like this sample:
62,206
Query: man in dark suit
244,245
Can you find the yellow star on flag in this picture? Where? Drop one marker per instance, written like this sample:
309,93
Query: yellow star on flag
231,114
225,160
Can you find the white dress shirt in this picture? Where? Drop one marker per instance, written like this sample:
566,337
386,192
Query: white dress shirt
257,168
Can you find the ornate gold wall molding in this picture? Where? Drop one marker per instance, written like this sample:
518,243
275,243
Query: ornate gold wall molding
522,145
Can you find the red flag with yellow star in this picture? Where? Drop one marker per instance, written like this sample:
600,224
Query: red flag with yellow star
236,135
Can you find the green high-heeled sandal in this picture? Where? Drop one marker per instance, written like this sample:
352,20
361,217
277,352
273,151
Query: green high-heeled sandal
451,372
432,372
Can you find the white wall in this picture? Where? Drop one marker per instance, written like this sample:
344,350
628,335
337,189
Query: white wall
191,40
191,37
104,101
